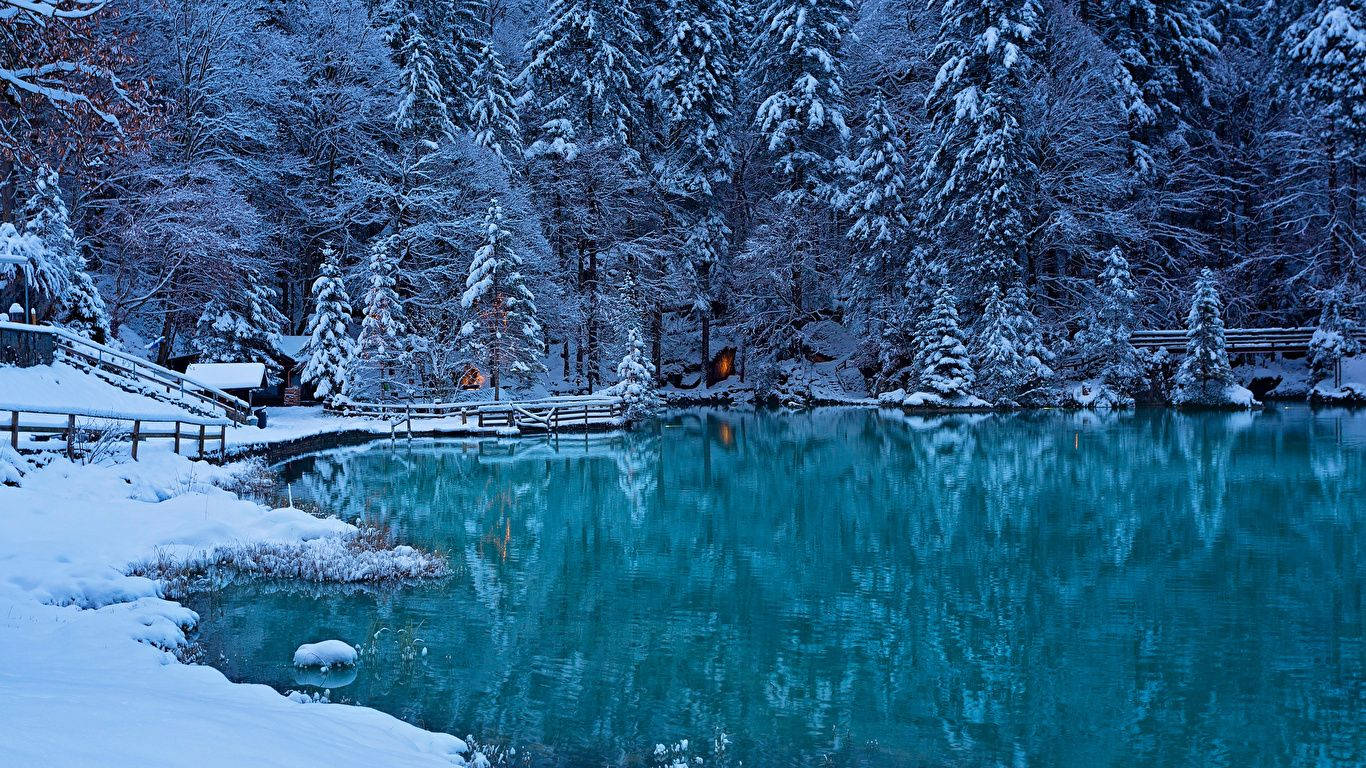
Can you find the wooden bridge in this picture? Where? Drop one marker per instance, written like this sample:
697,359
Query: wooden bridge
550,414
1240,340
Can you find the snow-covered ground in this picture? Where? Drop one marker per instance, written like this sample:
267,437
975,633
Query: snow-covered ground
90,675
58,386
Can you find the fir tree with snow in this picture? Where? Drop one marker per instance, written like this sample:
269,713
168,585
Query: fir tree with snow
503,334
947,372
977,176
800,82
1002,365
1165,51
1113,369
380,368
1205,377
59,269
329,347
875,198
493,110
241,325
695,91
423,110
636,379
1333,339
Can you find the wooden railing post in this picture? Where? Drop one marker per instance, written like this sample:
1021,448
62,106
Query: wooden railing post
177,438
222,443
137,428
201,441
14,430
71,436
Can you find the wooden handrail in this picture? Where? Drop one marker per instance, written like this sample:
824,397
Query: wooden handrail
122,363
68,427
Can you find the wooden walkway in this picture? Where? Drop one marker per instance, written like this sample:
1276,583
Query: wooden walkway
1240,340
551,414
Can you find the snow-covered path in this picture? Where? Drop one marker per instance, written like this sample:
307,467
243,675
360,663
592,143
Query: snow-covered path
87,678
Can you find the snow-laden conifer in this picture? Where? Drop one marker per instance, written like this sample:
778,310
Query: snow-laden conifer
492,110
1102,351
380,368
329,347
502,334
1205,377
636,379
59,269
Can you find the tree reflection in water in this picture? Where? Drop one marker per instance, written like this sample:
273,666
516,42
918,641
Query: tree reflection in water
1038,589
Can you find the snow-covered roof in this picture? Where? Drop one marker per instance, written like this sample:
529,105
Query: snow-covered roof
228,375
292,346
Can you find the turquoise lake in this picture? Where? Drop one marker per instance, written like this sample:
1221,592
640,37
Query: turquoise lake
850,587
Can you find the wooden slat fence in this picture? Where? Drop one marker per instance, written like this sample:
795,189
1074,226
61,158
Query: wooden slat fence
73,426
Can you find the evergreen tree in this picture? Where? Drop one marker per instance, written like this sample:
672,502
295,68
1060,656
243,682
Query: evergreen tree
493,111
636,379
503,334
1003,364
241,325
380,367
1104,353
1329,44
330,347
1165,50
59,269
876,195
977,177
460,36
423,111
946,370
875,200
695,91
800,82
1205,374
1333,339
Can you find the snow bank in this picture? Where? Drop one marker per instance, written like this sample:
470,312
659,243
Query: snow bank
1216,395
931,401
326,654
91,650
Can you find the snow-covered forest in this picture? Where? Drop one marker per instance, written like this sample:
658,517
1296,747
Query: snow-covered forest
986,196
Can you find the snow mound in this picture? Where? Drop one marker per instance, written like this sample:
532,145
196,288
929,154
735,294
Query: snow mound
1215,394
931,401
325,654
1350,393
1095,394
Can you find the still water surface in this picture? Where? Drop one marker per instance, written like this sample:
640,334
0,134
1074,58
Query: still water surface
849,588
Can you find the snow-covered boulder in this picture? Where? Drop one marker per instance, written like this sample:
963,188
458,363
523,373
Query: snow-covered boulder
1350,393
326,654
1214,394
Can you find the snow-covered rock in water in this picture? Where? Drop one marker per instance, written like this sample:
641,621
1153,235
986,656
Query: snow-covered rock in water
1350,393
931,401
326,654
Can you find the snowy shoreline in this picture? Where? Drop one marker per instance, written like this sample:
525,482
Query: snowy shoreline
92,643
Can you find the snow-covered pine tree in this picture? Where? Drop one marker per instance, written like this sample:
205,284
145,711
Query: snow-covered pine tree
1333,339
695,90
423,112
946,369
977,178
1165,50
329,347
503,334
1003,368
59,270
636,379
1329,44
380,368
459,33
241,325
800,82
493,110
875,198
583,76
1103,351
1205,376
584,66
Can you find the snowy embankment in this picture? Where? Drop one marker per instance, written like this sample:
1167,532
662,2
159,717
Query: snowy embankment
60,387
91,675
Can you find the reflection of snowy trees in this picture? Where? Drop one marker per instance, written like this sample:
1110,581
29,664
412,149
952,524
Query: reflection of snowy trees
1062,589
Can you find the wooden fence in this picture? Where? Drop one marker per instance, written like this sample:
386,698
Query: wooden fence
75,426
1239,340
153,380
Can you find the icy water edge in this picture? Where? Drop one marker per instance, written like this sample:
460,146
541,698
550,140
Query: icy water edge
853,588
